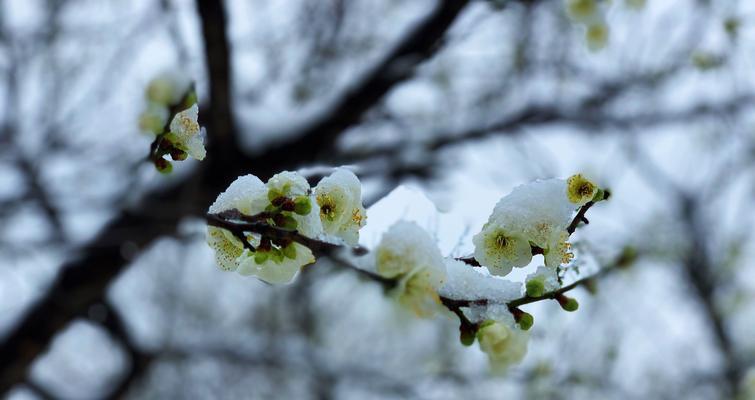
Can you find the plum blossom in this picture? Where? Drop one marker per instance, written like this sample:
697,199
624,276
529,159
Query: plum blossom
408,254
339,197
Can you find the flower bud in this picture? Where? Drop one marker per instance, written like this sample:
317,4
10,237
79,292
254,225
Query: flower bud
535,288
302,205
467,334
290,251
525,321
261,256
567,303
163,166
285,221
178,154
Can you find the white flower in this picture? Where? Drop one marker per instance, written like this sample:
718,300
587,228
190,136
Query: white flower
339,197
294,187
228,248
538,214
248,195
543,280
558,250
275,266
503,342
270,262
407,253
537,210
168,88
501,249
289,184
580,190
154,118
185,132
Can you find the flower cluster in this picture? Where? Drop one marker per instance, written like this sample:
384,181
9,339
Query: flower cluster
536,218
285,202
172,116
532,217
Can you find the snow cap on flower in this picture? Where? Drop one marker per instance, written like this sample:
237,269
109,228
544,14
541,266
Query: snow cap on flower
185,133
339,197
543,280
247,194
532,214
289,184
536,209
168,88
580,189
503,341
501,249
407,252
294,187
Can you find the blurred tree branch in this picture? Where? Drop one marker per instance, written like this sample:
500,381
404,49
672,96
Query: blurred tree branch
84,280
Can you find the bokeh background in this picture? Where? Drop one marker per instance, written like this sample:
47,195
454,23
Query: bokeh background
107,289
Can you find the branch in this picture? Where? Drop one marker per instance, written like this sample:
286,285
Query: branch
240,225
220,117
585,116
80,283
319,138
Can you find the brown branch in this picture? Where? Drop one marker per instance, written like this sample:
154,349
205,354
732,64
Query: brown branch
82,281
319,138
219,119
540,115
240,224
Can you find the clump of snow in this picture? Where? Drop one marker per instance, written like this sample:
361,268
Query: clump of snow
469,283
247,194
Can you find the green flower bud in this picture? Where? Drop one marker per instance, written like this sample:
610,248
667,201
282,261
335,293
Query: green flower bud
290,251
600,195
163,166
467,335
526,321
286,222
178,154
277,256
535,288
273,194
567,303
261,256
302,205
191,98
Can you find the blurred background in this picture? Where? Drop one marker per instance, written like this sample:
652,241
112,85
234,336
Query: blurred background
108,290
